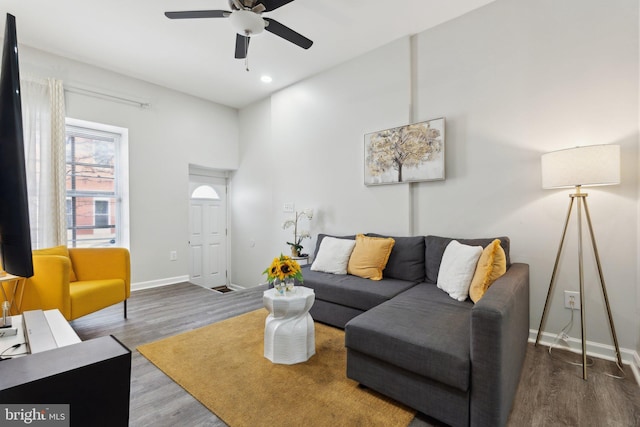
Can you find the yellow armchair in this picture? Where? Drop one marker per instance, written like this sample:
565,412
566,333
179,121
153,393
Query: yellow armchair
102,278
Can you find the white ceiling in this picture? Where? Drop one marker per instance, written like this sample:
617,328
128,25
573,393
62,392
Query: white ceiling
133,37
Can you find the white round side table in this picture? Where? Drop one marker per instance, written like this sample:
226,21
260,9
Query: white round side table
289,333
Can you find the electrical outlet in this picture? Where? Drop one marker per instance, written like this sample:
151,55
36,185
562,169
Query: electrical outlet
289,207
572,297
173,255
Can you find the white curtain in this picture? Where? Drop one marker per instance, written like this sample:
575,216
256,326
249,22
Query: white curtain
43,119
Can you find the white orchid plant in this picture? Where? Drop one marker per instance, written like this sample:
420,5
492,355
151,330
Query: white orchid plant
298,235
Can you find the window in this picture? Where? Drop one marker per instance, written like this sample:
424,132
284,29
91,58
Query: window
94,186
101,213
205,192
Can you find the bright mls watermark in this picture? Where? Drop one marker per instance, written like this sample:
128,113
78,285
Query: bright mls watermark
35,415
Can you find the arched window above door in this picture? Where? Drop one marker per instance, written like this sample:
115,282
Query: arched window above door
205,192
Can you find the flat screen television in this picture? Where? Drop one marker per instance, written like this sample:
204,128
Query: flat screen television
15,235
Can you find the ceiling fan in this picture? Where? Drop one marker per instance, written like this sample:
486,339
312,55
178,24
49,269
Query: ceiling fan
247,20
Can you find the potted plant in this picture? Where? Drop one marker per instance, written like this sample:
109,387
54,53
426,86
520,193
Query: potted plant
298,236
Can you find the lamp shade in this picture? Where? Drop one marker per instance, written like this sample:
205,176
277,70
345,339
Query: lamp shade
586,166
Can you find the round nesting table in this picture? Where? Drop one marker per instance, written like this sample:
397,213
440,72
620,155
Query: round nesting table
289,333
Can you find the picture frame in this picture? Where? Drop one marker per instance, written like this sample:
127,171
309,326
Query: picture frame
410,153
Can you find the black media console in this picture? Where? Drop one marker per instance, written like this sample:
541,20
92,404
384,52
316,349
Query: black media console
92,376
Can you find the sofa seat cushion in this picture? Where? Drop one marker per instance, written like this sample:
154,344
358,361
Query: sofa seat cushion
422,330
88,296
352,291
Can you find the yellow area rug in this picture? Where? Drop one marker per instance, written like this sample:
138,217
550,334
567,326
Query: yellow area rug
223,366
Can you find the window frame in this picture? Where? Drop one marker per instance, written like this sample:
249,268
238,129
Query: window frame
119,135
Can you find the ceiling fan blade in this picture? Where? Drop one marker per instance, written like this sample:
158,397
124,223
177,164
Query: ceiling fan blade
238,4
274,4
242,46
192,14
287,33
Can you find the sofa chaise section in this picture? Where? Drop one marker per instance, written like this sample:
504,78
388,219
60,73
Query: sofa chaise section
416,350
455,361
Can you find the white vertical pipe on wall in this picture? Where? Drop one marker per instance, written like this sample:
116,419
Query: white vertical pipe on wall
413,108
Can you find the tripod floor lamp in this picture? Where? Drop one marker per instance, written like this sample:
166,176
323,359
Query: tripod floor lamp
578,167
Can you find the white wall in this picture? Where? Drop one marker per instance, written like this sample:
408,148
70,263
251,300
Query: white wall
517,79
163,140
305,146
514,79
251,193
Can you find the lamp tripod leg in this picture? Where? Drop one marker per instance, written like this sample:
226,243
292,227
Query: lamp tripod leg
583,328
553,275
603,286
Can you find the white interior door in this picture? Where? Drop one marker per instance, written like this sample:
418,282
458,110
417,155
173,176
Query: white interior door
208,234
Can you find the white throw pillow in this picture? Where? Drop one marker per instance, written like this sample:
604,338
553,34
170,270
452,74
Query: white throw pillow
457,268
333,255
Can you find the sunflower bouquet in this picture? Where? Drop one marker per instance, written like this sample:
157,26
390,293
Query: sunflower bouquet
283,268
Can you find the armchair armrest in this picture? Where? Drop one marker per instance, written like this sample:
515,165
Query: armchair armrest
102,263
48,288
499,335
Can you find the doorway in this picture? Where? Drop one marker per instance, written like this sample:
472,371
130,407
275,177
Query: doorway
208,231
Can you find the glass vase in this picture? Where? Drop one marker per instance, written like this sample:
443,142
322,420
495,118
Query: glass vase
289,284
279,286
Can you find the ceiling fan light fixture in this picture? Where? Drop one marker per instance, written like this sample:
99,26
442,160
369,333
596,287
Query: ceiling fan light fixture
246,22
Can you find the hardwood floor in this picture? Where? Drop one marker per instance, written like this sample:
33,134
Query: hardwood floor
158,313
551,392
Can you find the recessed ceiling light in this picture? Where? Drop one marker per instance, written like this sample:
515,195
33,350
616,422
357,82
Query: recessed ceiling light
266,79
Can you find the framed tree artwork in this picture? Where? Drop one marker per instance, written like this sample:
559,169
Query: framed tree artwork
405,154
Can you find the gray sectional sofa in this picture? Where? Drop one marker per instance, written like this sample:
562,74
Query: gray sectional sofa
458,362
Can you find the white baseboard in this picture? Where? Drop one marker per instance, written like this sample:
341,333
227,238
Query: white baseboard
157,283
635,367
594,349
239,287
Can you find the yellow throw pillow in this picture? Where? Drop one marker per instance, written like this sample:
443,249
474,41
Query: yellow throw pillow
370,256
60,251
491,265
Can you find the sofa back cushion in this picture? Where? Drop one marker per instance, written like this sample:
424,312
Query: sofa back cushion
406,261
62,251
435,246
